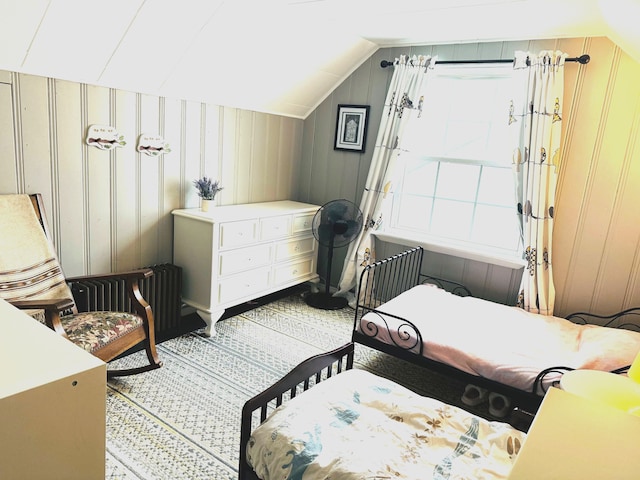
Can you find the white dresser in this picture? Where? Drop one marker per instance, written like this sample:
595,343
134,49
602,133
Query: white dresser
236,253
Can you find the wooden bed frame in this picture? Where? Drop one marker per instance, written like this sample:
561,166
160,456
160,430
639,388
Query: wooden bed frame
307,374
387,278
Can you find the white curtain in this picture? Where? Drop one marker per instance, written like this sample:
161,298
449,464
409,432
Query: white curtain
403,101
535,120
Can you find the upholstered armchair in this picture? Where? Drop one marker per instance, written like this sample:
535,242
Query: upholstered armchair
31,278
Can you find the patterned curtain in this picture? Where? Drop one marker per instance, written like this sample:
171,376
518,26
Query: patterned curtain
535,120
403,101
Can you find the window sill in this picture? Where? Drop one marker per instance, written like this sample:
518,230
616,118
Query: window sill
462,251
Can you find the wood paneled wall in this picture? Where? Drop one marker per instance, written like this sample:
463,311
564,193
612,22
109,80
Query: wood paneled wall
596,256
110,210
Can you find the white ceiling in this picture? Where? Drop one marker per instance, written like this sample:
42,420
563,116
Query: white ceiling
276,56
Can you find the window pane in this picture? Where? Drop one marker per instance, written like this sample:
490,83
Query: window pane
465,115
420,176
452,219
496,227
497,186
457,181
412,212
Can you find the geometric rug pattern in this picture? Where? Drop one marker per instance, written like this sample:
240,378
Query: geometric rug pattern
182,421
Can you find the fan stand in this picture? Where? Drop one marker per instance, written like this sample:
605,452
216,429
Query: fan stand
324,300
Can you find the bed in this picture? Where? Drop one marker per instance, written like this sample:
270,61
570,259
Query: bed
326,419
439,324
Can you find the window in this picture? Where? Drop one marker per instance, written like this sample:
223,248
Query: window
454,181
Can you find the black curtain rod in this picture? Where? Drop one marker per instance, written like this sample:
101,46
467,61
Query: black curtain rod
582,59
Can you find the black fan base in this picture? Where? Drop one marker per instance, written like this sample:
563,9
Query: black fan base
325,301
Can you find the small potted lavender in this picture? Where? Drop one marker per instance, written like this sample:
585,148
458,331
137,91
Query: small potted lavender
207,190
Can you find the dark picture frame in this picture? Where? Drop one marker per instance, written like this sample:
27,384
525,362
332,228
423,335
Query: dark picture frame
351,128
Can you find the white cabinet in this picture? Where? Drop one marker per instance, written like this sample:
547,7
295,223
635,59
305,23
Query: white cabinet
52,403
236,253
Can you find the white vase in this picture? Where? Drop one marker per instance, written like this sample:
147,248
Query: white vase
206,205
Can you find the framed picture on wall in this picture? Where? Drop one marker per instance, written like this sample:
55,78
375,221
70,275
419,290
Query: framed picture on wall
351,127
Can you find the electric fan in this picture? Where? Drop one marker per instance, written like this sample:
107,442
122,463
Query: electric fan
335,224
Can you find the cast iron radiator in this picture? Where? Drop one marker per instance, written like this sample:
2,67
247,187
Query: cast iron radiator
161,290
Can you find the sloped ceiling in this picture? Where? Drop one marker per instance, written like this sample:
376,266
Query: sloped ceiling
275,56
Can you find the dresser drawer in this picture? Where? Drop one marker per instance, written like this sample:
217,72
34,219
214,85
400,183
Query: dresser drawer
274,227
243,285
294,248
234,261
302,223
233,234
293,270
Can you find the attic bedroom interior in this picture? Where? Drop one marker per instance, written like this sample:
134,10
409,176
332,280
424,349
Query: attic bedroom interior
304,239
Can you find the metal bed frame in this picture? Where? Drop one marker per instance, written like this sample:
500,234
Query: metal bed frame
387,278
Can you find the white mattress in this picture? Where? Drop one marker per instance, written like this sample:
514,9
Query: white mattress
498,342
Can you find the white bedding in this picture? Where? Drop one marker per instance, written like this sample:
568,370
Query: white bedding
357,425
501,343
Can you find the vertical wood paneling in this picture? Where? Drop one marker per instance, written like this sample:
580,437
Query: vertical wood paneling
171,177
8,179
258,163
241,188
632,291
98,183
289,159
36,149
619,131
149,174
126,222
589,183
191,118
212,141
229,155
306,163
99,200
321,178
111,210
268,159
71,242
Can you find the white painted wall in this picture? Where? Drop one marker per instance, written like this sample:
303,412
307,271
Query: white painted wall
110,210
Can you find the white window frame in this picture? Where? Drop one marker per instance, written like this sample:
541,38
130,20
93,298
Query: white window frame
459,247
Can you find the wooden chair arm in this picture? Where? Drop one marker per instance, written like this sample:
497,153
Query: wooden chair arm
130,275
57,304
52,309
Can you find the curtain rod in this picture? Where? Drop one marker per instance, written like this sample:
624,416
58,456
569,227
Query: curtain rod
582,59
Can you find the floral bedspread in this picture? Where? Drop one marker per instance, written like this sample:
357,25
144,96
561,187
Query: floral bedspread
357,425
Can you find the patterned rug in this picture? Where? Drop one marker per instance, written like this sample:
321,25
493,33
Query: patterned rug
183,420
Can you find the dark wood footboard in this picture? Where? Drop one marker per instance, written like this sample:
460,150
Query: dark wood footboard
304,376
